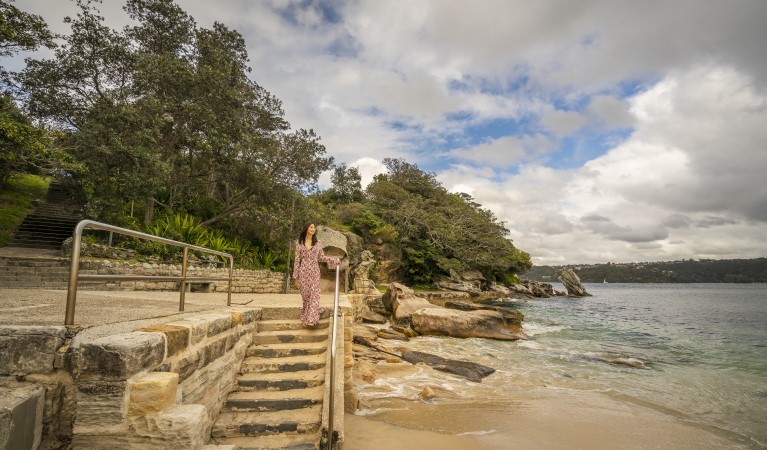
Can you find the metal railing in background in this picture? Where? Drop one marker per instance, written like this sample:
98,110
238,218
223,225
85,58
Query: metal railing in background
331,413
75,277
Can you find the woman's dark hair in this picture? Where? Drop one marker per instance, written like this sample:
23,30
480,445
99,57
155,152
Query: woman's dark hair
302,236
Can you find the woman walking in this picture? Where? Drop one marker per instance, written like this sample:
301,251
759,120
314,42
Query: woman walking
306,271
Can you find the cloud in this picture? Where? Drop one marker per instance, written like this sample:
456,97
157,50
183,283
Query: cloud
505,151
491,95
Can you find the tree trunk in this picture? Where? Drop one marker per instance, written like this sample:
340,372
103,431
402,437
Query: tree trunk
148,210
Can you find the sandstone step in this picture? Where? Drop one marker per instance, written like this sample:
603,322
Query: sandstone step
289,349
282,325
284,364
292,336
275,400
280,381
309,441
296,421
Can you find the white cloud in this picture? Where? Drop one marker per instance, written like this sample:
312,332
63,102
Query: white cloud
387,79
685,184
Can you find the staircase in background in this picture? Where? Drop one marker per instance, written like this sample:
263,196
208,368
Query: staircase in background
278,397
53,221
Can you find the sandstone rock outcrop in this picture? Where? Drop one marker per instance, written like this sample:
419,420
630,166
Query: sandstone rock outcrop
449,322
402,302
361,282
469,370
572,284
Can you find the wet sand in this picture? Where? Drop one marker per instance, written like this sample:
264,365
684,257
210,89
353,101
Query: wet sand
536,418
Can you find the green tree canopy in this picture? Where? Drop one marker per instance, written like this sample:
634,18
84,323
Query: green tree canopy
163,114
437,231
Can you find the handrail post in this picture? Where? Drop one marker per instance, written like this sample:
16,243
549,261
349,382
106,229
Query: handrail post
183,280
331,400
74,276
231,275
69,315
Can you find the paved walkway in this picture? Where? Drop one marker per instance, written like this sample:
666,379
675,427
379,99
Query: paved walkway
113,312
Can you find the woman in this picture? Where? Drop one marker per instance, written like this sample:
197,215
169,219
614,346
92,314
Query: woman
306,271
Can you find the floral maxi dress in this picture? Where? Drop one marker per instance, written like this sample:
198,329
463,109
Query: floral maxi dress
306,269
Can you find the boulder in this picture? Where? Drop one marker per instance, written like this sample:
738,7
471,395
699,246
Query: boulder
494,287
538,289
572,283
369,316
389,333
402,302
334,242
512,318
451,284
465,324
469,370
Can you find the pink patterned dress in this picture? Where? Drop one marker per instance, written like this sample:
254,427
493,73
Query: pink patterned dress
306,269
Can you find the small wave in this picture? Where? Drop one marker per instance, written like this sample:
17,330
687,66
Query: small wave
532,345
372,411
477,433
533,329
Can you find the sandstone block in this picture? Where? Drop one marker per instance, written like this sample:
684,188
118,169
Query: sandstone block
198,328
212,351
100,406
122,355
217,323
29,349
177,337
21,415
152,393
186,366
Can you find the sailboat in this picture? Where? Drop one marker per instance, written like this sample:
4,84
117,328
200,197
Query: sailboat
604,281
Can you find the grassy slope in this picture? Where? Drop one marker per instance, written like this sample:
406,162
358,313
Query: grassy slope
16,199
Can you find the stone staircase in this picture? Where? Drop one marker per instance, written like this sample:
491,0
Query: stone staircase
37,273
52,221
278,397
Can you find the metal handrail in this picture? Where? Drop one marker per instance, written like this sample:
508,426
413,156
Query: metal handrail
331,400
74,269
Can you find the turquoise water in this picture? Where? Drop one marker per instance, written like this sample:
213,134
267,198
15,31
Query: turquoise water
697,352
704,347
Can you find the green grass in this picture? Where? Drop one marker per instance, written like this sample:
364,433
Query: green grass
16,201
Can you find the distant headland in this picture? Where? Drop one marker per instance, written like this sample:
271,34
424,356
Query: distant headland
684,271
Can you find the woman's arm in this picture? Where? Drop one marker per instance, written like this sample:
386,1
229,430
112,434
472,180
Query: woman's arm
332,262
297,261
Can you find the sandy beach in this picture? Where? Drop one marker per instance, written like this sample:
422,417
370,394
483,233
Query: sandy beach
541,419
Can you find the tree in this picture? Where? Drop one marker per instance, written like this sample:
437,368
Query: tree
347,185
20,31
164,114
21,142
25,146
439,231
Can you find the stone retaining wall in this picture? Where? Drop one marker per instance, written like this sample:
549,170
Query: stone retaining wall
53,273
245,281
157,387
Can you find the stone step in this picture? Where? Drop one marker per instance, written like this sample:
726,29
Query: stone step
289,349
294,421
275,400
285,364
309,441
34,244
280,381
34,262
293,336
284,325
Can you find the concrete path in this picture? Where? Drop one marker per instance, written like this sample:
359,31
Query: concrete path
114,312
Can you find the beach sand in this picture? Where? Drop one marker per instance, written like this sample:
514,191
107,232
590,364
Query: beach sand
538,419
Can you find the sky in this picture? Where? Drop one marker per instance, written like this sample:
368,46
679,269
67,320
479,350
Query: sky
597,131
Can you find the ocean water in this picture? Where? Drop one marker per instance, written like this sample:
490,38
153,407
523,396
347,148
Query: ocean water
697,352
